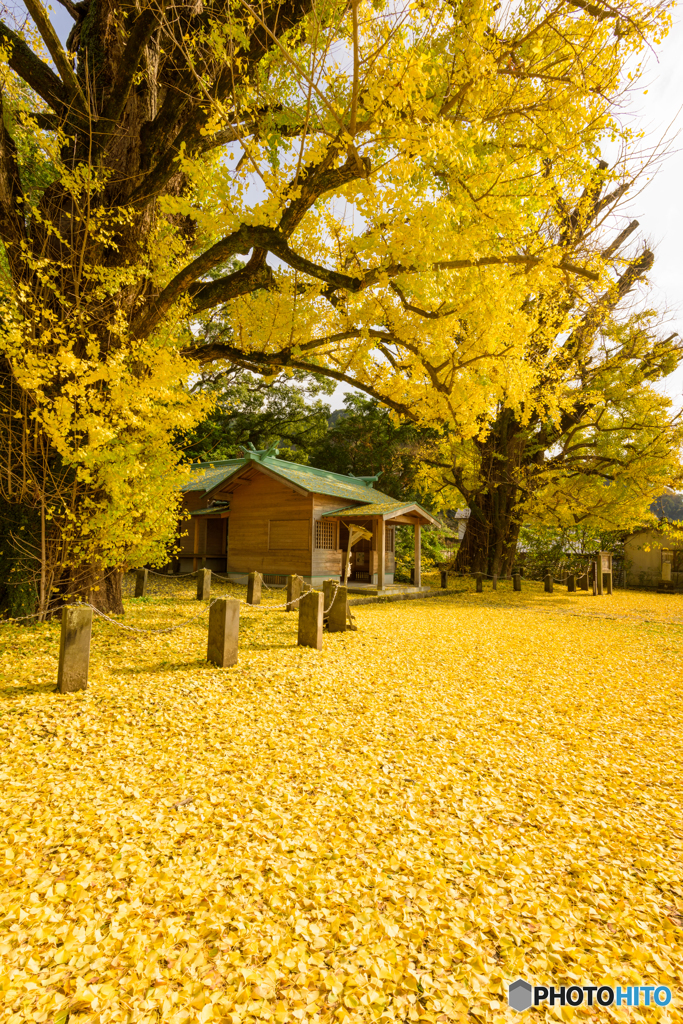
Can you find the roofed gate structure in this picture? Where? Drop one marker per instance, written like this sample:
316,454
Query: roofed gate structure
265,514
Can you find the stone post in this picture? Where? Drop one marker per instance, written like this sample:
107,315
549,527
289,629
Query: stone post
140,582
494,583
478,577
571,583
548,583
444,579
224,628
311,620
516,582
608,582
583,581
294,584
203,584
74,649
598,573
337,615
254,588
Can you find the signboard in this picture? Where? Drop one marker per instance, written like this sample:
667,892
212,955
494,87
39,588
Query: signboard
606,559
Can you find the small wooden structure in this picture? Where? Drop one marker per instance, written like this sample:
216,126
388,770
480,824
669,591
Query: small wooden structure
265,514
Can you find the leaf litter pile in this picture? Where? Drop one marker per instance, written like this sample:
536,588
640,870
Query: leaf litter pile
468,789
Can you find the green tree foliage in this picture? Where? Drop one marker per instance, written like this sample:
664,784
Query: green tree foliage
246,408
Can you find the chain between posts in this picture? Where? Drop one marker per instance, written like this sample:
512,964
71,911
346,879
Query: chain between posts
180,625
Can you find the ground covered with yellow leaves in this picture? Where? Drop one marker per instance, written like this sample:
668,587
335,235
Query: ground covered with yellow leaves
468,789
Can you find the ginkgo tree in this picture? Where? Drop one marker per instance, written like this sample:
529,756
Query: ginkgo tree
353,188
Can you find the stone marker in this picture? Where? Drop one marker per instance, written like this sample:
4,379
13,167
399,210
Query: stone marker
548,583
203,584
254,588
444,580
311,620
140,582
74,649
224,628
478,577
293,591
516,582
571,583
337,617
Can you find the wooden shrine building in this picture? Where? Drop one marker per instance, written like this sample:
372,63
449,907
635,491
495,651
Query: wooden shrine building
265,514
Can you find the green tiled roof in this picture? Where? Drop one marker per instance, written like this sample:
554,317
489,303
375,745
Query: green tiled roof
208,475
377,508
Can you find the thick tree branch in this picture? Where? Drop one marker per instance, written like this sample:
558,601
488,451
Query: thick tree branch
51,39
141,32
34,71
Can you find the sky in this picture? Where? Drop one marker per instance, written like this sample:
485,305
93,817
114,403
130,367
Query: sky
658,207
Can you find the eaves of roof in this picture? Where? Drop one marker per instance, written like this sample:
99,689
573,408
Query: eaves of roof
209,476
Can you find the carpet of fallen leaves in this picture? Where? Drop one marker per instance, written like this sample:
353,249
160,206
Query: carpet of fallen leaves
468,789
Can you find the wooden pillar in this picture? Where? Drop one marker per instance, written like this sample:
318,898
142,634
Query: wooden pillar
381,554
254,588
74,649
418,555
140,582
311,620
517,582
598,573
224,629
203,584
294,584
338,613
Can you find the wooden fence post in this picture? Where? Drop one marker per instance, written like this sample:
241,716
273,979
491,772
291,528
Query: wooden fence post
311,620
516,582
571,583
203,584
140,582
494,583
293,591
338,613
254,588
224,629
478,577
444,579
74,649
548,583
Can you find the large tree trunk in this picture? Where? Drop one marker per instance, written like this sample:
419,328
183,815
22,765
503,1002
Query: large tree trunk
492,530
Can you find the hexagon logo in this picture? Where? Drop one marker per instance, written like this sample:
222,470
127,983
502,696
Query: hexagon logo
520,995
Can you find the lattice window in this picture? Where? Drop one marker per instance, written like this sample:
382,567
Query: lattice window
389,539
325,535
